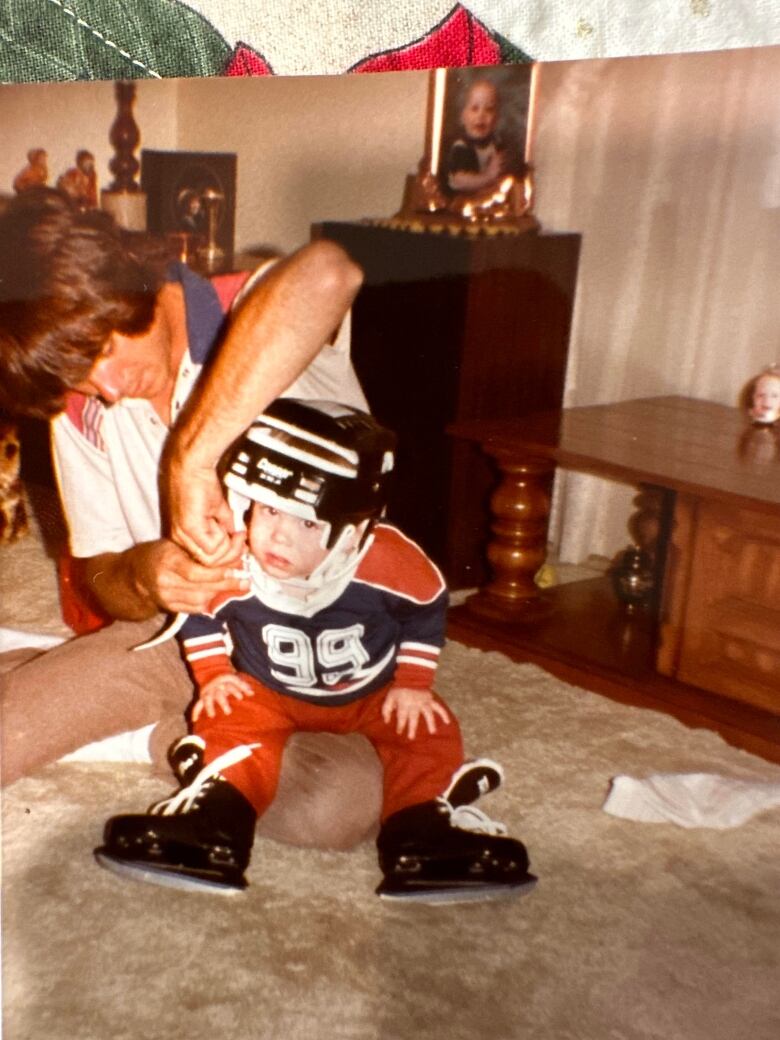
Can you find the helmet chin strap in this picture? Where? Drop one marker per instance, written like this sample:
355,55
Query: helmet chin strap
305,596
238,507
302,596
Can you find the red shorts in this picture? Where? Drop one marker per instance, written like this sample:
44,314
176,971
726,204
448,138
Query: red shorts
414,770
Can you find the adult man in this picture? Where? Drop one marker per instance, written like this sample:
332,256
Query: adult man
99,333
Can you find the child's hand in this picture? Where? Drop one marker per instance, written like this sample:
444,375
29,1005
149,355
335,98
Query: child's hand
410,705
217,692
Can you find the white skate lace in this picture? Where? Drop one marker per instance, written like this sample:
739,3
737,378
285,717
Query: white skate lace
184,799
469,818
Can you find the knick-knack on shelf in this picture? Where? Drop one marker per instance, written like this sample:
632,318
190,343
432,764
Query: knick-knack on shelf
80,181
35,173
633,578
760,396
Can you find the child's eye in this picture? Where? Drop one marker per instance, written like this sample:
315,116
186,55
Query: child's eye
310,524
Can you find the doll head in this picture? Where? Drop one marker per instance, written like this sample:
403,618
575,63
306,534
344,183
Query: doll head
762,396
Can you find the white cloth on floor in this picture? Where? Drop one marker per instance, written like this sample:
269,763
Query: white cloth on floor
690,799
15,639
132,746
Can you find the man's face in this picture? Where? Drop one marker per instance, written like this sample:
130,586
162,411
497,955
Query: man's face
133,366
480,113
284,545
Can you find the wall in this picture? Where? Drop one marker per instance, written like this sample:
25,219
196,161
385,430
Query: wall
310,148
66,117
670,168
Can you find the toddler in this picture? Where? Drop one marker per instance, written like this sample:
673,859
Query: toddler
340,631
476,160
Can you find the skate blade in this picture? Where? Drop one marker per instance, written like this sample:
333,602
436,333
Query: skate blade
166,878
421,892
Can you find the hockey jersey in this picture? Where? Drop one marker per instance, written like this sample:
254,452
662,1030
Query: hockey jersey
387,626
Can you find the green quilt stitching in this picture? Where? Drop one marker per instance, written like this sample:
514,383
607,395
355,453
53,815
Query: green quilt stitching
102,39
107,39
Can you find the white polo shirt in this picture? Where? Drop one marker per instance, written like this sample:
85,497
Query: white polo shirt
107,459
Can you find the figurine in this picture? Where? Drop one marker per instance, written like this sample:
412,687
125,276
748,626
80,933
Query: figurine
80,181
35,173
761,396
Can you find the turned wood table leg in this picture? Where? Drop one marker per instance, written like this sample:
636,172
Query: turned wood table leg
520,510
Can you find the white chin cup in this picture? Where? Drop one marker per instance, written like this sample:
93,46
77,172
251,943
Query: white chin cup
305,596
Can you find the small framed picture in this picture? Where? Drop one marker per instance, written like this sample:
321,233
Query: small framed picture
191,193
479,126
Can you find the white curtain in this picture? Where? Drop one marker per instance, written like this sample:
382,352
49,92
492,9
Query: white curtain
670,168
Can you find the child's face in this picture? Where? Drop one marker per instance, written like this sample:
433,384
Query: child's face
766,398
284,545
480,112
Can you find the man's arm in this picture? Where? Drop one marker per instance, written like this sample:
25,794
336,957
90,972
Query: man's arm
278,330
155,576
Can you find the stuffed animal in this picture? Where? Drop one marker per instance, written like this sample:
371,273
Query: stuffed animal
13,504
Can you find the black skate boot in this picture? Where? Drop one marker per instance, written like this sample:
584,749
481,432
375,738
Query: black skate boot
434,852
199,838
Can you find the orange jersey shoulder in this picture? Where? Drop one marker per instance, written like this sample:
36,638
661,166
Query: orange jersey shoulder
396,563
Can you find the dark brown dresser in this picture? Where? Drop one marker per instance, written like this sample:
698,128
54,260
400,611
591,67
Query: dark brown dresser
449,328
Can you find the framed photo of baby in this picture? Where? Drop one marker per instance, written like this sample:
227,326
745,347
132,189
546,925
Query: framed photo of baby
479,126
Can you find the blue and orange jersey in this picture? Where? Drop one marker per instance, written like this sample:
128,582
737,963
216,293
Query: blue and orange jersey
387,626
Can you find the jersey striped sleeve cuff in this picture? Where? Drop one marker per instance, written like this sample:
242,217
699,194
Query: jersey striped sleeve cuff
416,665
207,657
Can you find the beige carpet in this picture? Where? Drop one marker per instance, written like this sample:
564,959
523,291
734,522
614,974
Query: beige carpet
635,930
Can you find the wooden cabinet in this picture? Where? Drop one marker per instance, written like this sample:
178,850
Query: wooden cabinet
711,654
721,627
448,328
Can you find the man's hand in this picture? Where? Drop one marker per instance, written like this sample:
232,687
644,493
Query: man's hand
153,576
410,705
216,693
200,519
176,582
279,327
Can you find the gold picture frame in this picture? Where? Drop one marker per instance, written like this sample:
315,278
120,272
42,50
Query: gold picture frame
497,198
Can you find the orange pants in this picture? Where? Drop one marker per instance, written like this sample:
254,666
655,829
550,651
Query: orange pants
414,770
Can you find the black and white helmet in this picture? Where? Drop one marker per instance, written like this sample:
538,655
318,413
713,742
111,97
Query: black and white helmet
315,459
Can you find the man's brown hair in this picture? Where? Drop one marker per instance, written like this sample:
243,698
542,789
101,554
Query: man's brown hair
68,279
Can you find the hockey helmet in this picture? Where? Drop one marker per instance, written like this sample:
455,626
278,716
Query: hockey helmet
315,459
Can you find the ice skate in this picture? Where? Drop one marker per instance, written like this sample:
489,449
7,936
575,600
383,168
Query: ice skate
199,838
434,852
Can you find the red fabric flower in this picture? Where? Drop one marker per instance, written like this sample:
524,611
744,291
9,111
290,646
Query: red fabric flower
457,41
247,62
